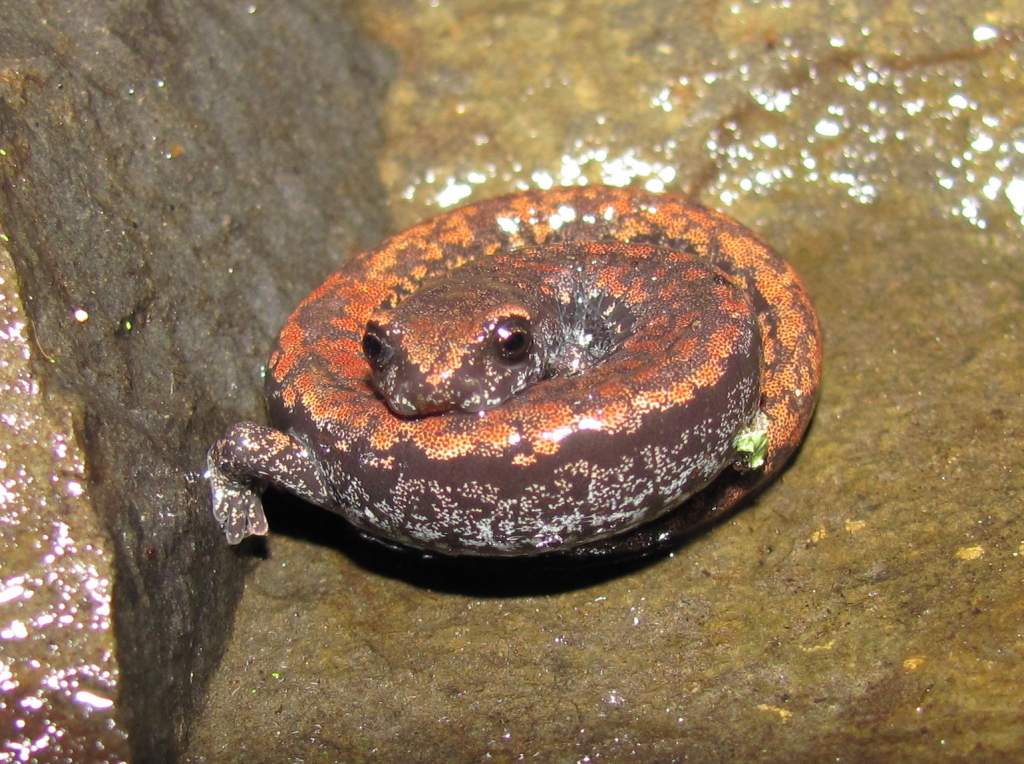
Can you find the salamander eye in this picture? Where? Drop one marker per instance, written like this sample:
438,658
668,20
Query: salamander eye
513,339
376,349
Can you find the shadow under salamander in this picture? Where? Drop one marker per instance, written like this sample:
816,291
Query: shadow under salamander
474,576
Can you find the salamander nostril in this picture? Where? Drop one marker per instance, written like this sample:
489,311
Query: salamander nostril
375,347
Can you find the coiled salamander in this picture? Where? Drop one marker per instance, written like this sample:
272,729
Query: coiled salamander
587,372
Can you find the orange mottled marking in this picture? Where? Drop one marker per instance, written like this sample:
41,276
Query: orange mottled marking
324,377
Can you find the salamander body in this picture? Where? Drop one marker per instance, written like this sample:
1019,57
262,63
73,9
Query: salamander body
583,372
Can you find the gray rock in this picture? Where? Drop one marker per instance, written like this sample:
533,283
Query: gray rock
174,177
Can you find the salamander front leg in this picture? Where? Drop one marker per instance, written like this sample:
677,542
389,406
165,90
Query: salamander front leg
246,459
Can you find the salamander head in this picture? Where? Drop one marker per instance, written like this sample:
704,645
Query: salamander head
457,344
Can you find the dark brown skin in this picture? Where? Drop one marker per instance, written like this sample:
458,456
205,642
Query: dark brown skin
560,372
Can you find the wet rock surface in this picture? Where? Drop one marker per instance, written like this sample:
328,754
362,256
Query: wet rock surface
58,671
173,179
867,606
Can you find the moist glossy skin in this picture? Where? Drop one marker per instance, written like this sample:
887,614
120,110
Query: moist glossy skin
655,331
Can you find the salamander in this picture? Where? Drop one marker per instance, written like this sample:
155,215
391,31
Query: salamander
578,372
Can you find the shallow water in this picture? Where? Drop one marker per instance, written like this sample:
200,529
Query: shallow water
867,606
